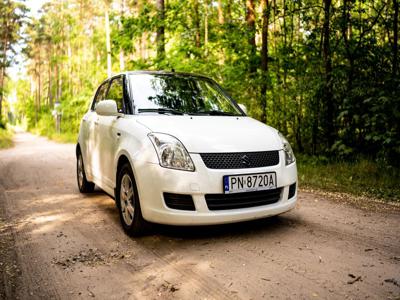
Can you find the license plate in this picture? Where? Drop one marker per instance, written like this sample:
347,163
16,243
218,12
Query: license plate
249,182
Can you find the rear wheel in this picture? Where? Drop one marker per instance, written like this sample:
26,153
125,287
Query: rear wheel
84,185
128,203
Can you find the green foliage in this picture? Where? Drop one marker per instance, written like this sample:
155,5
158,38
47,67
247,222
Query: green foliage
360,176
2,124
6,138
12,19
46,127
67,61
72,113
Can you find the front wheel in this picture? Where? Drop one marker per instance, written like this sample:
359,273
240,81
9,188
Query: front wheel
127,199
84,185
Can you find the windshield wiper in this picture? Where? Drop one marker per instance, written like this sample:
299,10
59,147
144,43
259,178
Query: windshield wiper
214,113
160,111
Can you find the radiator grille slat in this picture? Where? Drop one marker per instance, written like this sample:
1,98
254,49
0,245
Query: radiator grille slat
242,200
240,160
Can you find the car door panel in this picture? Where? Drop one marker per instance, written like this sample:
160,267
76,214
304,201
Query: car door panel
108,130
107,143
88,141
95,138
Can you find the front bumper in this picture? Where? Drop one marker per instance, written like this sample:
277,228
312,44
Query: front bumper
153,180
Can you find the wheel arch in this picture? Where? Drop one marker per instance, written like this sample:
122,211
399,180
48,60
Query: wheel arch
78,149
122,158
121,161
142,226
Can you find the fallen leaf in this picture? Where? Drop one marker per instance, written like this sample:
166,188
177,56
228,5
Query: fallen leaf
358,278
392,280
266,279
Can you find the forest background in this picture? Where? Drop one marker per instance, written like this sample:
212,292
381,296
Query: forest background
323,72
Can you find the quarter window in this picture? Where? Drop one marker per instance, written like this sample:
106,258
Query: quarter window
100,95
116,93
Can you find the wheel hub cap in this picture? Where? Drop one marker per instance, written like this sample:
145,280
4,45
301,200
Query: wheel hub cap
126,199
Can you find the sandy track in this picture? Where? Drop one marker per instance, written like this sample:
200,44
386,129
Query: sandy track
57,243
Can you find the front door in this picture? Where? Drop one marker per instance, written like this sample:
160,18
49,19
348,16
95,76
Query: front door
92,163
109,133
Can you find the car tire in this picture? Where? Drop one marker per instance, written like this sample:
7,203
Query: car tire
128,203
84,185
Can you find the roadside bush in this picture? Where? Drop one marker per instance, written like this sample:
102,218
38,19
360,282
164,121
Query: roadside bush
5,138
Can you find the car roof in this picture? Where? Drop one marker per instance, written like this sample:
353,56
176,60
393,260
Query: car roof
159,72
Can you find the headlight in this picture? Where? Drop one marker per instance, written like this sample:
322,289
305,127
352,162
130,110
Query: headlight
171,153
287,149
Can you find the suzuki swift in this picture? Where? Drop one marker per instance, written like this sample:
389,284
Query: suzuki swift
174,148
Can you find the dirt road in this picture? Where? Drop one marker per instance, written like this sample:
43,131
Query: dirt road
57,243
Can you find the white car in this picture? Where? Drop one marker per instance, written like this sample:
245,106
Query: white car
174,148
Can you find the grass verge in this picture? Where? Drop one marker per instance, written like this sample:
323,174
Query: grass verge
47,129
361,177
64,137
6,138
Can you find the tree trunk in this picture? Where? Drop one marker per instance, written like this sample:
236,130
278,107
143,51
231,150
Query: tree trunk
121,60
285,46
228,11
143,45
346,23
328,74
264,58
395,37
160,39
69,67
39,81
277,96
196,23
108,43
220,13
121,51
206,27
299,124
315,125
251,25
264,47
59,81
50,95
3,75
36,106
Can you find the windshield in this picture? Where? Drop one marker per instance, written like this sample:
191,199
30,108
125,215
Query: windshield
180,94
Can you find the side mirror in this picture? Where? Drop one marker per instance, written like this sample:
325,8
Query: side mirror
107,108
243,107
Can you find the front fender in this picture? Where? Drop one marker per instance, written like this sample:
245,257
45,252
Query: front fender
137,151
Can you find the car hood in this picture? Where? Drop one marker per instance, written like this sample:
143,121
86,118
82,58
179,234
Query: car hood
203,134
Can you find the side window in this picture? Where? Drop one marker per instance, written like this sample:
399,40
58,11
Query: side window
116,93
100,95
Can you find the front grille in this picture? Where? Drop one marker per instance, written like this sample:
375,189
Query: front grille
179,201
292,190
240,160
242,200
